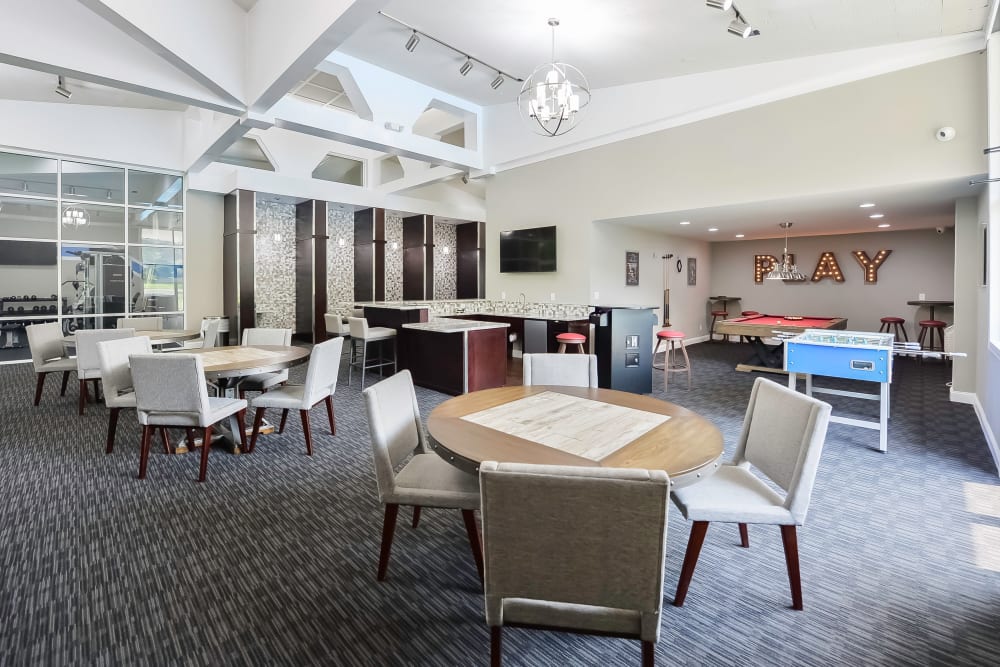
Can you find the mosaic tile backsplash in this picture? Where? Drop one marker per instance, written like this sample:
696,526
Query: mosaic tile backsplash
445,263
274,265
393,257
339,260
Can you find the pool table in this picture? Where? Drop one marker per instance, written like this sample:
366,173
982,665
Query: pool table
755,328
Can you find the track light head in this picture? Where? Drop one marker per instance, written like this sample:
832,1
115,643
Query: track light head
465,178
61,88
412,42
741,29
466,67
497,82
721,5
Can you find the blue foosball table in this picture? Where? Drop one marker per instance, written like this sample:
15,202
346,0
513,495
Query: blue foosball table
854,355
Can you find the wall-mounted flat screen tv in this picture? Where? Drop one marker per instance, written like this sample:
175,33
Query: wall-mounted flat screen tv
528,250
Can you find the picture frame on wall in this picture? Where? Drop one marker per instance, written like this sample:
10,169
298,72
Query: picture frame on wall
692,270
631,268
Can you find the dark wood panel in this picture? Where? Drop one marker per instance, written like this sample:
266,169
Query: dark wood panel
470,273
379,250
321,240
439,365
364,255
413,274
304,252
429,256
487,358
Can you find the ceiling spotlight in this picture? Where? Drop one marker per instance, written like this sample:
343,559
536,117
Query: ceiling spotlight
684,222
466,67
497,82
884,225
713,229
412,42
465,178
722,5
866,205
62,89
876,216
740,28
739,236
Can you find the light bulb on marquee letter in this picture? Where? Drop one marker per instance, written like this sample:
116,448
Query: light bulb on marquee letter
871,265
762,265
827,267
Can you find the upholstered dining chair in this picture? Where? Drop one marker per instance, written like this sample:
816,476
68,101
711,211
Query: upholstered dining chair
320,384
361,336
568,370
407,472
209,335
151,323
112,358
170,391
48,355
88,365
571,548
782,437
261,336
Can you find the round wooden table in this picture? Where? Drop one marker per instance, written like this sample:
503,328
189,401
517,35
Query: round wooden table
156,336
575,426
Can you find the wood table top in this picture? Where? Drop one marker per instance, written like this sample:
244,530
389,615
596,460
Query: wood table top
238,360
156,336
931,302
574,426
765,325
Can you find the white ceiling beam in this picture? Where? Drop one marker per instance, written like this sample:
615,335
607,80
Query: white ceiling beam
286,39
207,135
421,177
205,40
82,45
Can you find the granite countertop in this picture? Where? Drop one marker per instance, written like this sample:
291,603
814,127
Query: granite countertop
534,316
453,325
392,306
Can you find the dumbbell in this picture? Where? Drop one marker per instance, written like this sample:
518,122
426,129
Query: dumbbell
34,309
20,309
10,309
34,298
52,309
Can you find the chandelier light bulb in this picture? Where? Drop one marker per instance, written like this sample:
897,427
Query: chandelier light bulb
551,99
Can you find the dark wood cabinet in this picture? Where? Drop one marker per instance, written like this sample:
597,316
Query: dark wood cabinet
470,255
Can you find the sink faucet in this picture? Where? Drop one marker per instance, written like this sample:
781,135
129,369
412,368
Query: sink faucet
523,300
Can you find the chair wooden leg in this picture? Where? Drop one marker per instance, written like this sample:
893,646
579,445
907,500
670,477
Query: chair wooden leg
206,445
65,381
791,543
744,536
388,528
469,516
697,538
83,395
496,644
416,515
166,439
329,414
112,427
258,419
41,383
147,436
284,416
648,654
307,431
241,420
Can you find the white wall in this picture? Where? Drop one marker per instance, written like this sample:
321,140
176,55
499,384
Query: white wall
968,282
203,263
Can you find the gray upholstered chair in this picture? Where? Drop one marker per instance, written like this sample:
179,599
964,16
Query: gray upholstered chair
568,370
112,357
335,325
152,323
426,480
259,336
782,437
88,366
361,336
574,548
48,355
320,384
170,391
209,335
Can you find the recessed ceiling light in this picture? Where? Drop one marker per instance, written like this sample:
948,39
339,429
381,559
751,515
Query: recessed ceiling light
739,236
685,222
884,225
866,205
713,229
876,216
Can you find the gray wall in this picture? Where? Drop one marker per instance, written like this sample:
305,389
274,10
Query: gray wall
921,262
203,263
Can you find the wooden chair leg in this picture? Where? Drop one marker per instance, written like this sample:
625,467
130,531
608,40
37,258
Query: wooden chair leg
147,436
416,515
329,414
258,419
388,528
308,433
469,516
496,644
241,420
648,654
83,395
284,416
166,439
41,382
206,444
744,536
697,538
65,381
790,541
112,427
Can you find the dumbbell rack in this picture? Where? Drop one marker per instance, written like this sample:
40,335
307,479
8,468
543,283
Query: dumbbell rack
12,331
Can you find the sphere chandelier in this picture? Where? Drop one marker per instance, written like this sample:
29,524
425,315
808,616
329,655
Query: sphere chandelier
75,217
553,96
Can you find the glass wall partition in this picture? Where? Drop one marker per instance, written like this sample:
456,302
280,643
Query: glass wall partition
85,243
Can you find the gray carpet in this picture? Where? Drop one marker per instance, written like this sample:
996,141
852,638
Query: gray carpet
272,560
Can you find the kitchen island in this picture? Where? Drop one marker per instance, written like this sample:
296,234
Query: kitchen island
456,356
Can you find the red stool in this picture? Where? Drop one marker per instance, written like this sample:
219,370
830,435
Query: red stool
748,313
930,326
894,325
711,331
565,339
670,362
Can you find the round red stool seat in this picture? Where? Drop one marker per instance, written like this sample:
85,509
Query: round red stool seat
749,313
932,323
667,334
570,338
892,320
720,313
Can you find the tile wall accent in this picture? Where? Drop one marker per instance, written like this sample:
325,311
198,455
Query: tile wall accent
393,257
274,265
339,260
445,264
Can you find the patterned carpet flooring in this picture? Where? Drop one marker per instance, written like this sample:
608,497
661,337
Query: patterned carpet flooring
272,560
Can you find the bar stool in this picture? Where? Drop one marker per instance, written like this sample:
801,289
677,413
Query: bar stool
930,326
711,331
670,364
569,338
894,325
747,313
361,335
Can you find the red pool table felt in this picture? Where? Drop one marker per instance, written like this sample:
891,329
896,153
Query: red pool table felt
783,321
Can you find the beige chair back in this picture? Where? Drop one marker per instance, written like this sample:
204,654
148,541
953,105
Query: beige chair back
335,325
113,359
169,384
321,375
261,336
45,342
568,370
88,364
152,323
394,423
358,327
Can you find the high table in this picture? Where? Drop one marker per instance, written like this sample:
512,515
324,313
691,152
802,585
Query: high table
767,358
930,304
575,426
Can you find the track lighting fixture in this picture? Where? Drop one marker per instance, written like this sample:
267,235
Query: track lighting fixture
466,67
62,89
412,42
497,82
723,5
739,28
